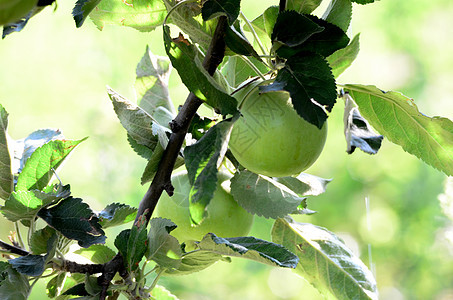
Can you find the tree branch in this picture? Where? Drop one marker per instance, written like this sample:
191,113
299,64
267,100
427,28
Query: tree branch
162,179
180,125
282,5
13,249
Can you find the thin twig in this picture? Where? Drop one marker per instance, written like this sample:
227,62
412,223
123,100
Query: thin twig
13,249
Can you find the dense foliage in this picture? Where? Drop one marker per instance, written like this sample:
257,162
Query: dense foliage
218,53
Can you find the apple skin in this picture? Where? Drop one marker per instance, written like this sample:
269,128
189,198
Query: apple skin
270,138
225,217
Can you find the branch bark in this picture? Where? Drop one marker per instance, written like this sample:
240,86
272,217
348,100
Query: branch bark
179,126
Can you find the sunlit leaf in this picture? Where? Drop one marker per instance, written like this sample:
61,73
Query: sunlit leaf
325,261
6,176
98,254
342,59
194,261
305,184
303,6
339,12
163,248
397,118
250,248
262,195
263,26
151,84
24,205
41,165
142,15
188,18
116,214
161,293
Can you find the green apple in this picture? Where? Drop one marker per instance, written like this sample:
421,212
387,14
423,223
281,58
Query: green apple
270,138
225,217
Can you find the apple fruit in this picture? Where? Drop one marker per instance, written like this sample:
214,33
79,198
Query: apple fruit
225,217
270,138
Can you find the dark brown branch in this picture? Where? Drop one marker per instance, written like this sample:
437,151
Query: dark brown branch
180,125
282,5
13,249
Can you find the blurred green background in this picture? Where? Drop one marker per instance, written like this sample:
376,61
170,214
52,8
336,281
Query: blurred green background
54,75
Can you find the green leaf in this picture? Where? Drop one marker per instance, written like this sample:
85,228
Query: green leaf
30,265
214,8
39,238
116,214
262,195
188,18
303,6
339,12
137,122
358,132
153,164
24,205
202,161
195,261
98,254
14,10
151,84
293,29
396,117
77,290
363,1
161,293
326,42
65,282
342,59
75,220
6,176
56,285
140,149
251,248
186,59
309,81
238,43
325,261
143,15
82,9
41,165
14,285
236,70
305,184
33,141
132,244
263,25
163,248
199,126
